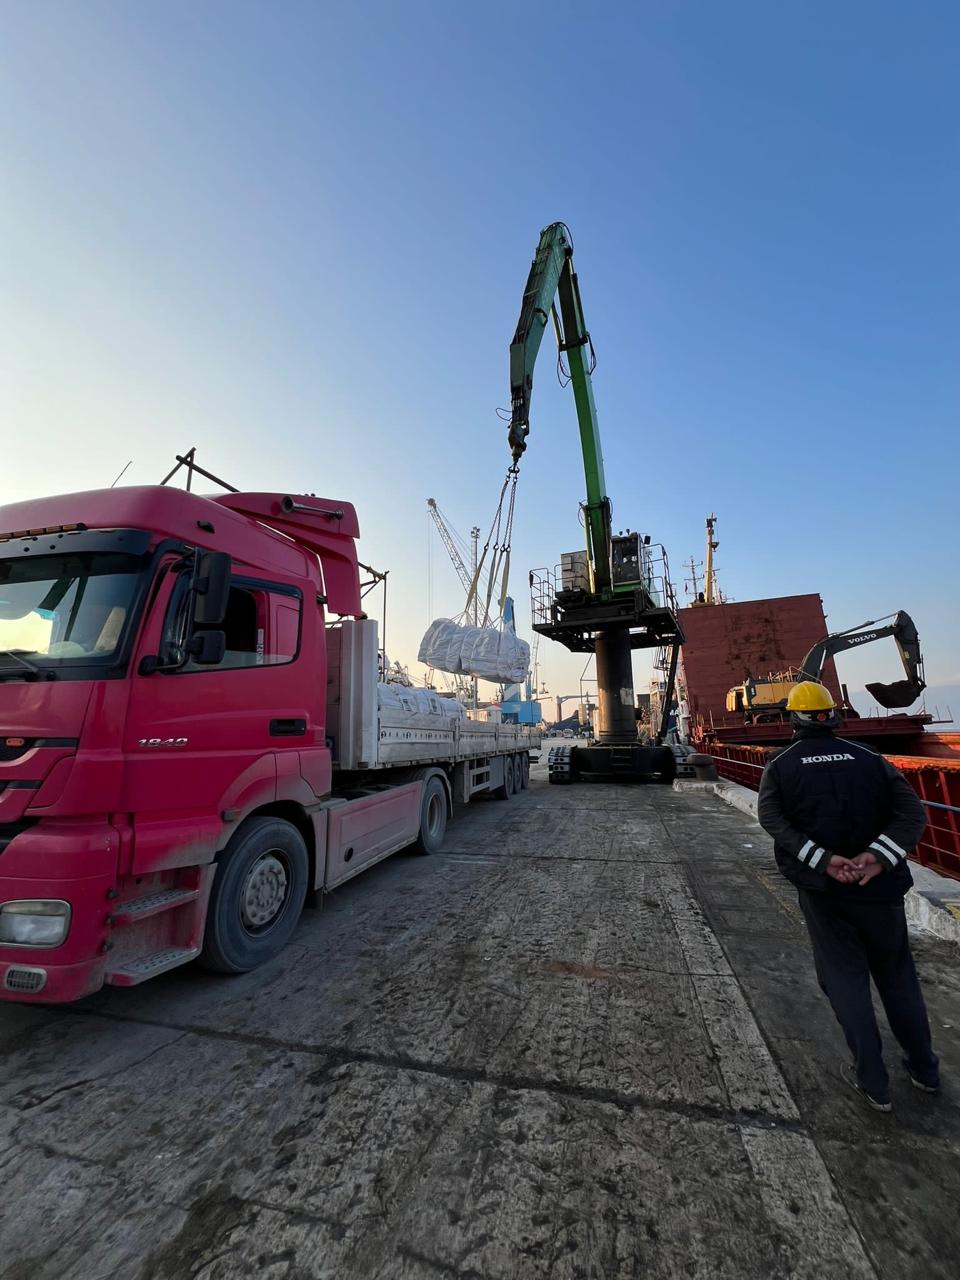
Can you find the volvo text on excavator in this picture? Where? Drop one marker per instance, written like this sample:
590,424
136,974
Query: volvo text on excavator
614,596
766,699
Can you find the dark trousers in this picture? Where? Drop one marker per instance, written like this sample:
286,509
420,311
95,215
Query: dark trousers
852,942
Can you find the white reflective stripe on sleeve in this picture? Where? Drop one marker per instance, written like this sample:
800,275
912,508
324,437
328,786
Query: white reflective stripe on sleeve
901,853
884,852
802,855
816,858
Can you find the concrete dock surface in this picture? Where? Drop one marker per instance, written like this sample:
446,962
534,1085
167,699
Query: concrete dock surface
584,1041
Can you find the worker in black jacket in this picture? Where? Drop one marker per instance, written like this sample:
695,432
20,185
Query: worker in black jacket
843,820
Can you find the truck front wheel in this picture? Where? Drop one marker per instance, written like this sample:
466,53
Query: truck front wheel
257,896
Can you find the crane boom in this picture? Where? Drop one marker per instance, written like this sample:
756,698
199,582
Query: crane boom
552,280
447,540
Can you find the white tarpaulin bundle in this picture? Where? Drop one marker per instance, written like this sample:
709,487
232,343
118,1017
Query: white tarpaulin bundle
475,651
398,697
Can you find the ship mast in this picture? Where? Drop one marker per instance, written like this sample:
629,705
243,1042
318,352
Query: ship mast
712,544
694,581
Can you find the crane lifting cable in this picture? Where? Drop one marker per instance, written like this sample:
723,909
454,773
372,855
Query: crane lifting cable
498,541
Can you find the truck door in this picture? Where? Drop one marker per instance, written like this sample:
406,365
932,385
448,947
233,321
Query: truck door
203,740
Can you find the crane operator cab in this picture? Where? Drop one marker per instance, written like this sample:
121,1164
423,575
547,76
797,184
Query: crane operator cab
630,560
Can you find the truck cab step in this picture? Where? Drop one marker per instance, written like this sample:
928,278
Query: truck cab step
139,969
142,908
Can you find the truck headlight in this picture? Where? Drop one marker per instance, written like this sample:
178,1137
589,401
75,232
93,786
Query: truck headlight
41,922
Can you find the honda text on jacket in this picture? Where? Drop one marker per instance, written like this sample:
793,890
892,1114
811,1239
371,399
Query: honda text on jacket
824,795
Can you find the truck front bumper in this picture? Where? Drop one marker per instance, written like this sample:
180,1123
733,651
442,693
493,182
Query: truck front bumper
39,982
71,862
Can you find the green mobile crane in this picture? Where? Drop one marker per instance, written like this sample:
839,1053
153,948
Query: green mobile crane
608,599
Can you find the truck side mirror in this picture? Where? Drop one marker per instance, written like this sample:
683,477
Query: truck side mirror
211,589
208,647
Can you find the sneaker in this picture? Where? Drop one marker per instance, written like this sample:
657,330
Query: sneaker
849,1073
922,1085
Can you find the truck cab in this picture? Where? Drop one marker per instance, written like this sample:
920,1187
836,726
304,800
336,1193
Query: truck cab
142,719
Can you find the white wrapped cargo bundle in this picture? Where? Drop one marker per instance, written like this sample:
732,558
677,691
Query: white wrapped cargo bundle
440,646
475,651
424,702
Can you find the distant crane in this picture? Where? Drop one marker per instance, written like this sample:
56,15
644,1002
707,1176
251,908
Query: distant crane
533,675
561,699
448,536
453,551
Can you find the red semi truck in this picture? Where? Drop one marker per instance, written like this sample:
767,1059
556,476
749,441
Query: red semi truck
193,739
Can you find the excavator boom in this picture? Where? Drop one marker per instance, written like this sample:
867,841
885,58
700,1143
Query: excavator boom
899,693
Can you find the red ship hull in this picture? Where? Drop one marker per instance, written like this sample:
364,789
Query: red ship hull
726,643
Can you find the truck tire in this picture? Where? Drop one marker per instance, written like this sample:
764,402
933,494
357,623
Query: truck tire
524,763
257,896
510,775
506,788
433,817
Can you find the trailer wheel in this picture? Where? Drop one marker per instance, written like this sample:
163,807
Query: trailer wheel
510,773
508,786
524,762
257,896
433,817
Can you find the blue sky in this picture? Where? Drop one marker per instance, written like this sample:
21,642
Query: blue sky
296,236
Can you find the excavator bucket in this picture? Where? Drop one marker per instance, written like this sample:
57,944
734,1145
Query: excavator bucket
901,693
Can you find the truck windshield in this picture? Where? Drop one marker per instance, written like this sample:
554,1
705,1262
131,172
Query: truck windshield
60,607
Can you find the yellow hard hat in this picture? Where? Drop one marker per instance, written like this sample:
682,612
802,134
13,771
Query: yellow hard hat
810,696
